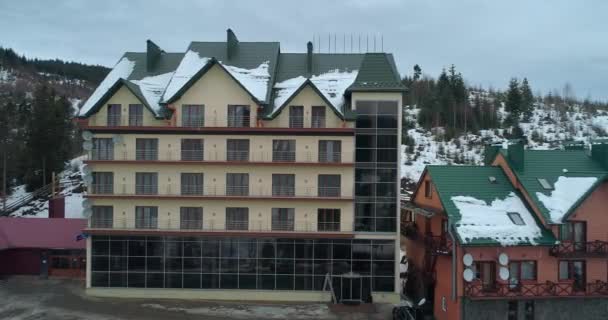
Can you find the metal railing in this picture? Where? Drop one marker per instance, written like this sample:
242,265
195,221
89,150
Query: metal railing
239,122
284,156
102,154
114,121
98,188
330,156
438,245
129,189
210,225
329,191
477,289
596,249
317,122
237,155
146,155
296,122
193,123
192,155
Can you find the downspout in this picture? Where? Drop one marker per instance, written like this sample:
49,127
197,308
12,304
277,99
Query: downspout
451,233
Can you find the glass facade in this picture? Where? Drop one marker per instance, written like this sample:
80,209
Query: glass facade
376,161
239,263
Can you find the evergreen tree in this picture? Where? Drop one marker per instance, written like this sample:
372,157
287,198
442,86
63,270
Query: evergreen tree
513,104
527,100
417,72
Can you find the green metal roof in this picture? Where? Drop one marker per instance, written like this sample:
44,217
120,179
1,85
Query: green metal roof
377,73
550,165
473,181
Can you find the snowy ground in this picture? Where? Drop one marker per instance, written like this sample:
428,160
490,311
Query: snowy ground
53,299
546,129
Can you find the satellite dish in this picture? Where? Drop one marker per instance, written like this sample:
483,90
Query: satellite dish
467,259
503,259
117,139
503,273
86,169
87,135
88,179
87,212
468,275
87,145
86,203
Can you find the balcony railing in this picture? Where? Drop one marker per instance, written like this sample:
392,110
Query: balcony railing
114,121
329,191
125,189
193,123
214,156
98,188
592,249
214,225
296,122
532,290
317,122
438,245
239,121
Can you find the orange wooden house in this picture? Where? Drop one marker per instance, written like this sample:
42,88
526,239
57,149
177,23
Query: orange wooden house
523,237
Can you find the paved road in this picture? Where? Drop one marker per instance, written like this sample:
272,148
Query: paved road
29,298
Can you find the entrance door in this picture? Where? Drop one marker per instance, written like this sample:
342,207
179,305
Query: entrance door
352,289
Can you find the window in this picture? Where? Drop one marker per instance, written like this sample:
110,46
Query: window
283,219
545,184
238,116
516,218
237,184
330,150
193,116
102,217
328,219
486,272
237,150
146,149
428,191
296,116
114,111
103,149
407,215
329,185
521,270
191,217
575,232
136,115
146,217
283,185
103,183
193,149
237,218
146,183
512,310
318,117
284,150
574,271
192,184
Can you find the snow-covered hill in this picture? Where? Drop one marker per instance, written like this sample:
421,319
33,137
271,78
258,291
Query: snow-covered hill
547,129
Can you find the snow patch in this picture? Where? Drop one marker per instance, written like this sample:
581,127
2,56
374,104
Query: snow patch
482,221
254,80
188,67
566,191
153,87
122,70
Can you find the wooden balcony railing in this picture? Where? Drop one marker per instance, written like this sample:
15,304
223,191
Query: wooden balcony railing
535,290
438,245
570,249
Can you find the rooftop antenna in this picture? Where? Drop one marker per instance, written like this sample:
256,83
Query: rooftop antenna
367,43
329,43
359,43
351,43
382,41
344,43
335,46
374,42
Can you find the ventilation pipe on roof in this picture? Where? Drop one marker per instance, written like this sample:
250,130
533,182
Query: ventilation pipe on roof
231,43
153,53
309,57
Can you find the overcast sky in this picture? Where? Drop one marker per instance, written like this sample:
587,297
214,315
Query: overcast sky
550,42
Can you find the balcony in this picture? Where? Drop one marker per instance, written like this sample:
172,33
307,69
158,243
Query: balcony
124,190
114,120
198,156
213,225
438,245
570,249
477,290
99,188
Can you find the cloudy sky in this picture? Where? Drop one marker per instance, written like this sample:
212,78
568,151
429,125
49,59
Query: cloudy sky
551,42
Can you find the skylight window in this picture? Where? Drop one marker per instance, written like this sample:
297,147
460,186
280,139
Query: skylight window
516,218
545,184
492,179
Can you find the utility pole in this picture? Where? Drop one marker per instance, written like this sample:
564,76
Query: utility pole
4,180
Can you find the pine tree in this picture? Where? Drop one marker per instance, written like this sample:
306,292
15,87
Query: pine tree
417,72
513,104
527,100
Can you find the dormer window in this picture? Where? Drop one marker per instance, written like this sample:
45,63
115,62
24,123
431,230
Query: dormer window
545,184
516,218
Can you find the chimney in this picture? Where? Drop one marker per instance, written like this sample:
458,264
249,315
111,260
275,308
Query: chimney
309,57
516,155
599,153
231,44
489,153
153,53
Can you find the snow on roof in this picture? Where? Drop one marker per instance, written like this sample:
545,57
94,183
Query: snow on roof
153,87
122,70
566,192
191,64
331,84
254,80
482,221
